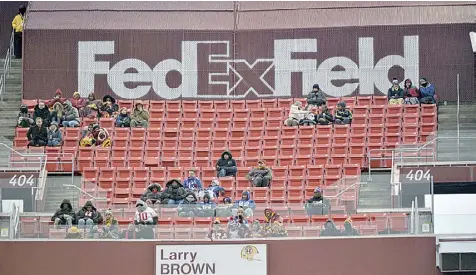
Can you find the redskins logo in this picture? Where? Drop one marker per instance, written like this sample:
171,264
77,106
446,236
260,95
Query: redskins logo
249,253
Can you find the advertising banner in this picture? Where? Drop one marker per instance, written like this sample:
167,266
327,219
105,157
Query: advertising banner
229,259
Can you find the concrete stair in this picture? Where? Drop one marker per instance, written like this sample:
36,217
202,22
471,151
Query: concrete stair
56,193
376,193
10,106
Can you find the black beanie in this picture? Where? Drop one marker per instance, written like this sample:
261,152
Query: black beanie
316,86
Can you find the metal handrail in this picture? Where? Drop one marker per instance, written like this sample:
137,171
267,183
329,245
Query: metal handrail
84,192
345,190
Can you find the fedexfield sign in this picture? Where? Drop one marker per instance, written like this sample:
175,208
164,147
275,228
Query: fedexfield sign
230,77
229,259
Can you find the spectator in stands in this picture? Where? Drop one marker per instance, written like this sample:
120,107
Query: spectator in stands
270,216
91,109
64,215
73,233
395,93
96,136
226,165
343,115
214,190
37,134
324,118
273,230
192,183
55,138
427,91
43,112
309,118
295,114
70,115
189,206
225,209
88,216
217,232
238,227
317,205
123,119
78,102
108,107
247,203
17,25
24,118
56,113
316,97
153,193
145,220
174,193
349,230
411,93
110,228
256,230
207,207
330,229
260,176
140,116
58,98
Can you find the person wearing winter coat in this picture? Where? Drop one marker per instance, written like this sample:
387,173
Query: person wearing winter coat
78,102
296,113
55,137
88,216
217,231
56,113
123,119
145,220
411,93
325,117
226,165
43,112
64,215
260,176
317,204
309,119
70,115
224,209
38,134
247,203
96,136
316,97
330,230
174,193
427,91
108,107
206,208
192,183
110,226
214,190
58,98
24,118
91,108
189,206
270,216
17,24
140,116
343,115
349,230
153,193
395,93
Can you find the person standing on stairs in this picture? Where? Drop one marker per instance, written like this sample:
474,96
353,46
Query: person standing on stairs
17,25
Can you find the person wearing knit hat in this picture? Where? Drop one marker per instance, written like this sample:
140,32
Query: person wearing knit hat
145,219
343,115
349,230
140,116
427,91
317,204
123,119
73,233
261,175
55,138
395,93
110,229
78,102
316,97
58,98
224,209
330,229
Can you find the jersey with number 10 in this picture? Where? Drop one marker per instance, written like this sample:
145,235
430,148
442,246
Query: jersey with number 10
146,216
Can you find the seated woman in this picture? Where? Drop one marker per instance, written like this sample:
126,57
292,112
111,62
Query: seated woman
395,93
57,113
108,107
78,102
296,113
411,93
55,137
96,136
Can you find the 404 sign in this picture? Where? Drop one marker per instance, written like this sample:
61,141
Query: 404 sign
18,179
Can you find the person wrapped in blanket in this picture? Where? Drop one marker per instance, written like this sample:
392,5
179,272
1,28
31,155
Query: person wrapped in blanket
217,231
273,224
110,228
238,227
145,220
96,136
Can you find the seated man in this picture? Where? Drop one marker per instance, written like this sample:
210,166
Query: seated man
38,134
224,209
207,207
43,112
214,190
110,229
330,230
324,118
260,176
64,215
188,207
88,216
217,231
349,230
343,115
317,205
192,183
24,118
226,165
309,118
427,91
139,116
145,220
73,233
174,193
316,97
152,194
246,203
395,93
70,115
